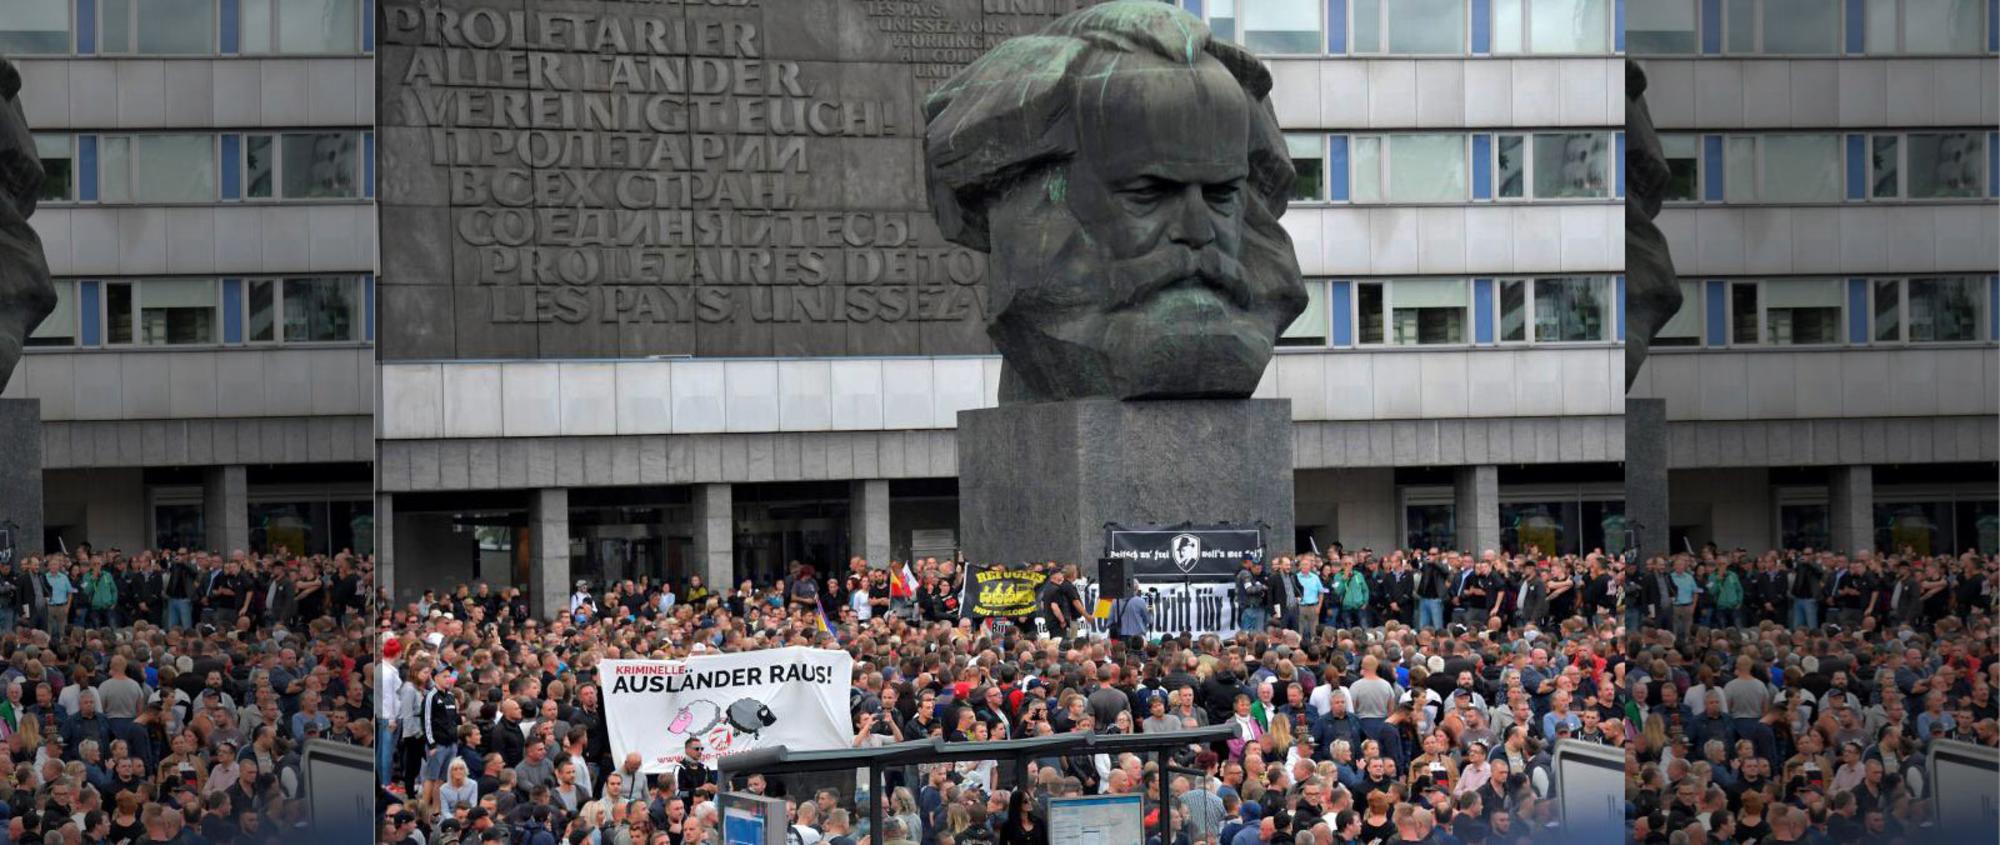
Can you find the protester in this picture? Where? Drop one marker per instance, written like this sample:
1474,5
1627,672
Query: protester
1329,720
1794,695
166,695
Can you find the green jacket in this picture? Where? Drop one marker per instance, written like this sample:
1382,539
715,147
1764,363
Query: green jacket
102,589
1353,590
1728,589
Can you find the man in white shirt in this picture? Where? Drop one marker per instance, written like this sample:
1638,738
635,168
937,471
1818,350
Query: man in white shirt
388,704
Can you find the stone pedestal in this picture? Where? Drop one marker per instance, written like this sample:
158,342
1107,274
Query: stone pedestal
1646,475
21,472
1038,481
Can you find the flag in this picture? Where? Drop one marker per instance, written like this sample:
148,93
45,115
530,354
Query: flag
825,626
902,582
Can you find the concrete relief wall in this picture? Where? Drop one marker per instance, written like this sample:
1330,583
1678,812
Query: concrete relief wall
566,180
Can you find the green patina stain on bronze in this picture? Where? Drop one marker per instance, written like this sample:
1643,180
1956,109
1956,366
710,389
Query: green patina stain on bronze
1057,184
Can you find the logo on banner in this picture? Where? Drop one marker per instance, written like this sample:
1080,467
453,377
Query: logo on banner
1187,551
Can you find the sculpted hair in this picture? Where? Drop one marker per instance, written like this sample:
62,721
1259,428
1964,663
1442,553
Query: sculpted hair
1014,111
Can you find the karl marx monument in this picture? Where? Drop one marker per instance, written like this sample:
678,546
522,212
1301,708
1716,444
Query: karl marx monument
1124,173
26,296
1653,295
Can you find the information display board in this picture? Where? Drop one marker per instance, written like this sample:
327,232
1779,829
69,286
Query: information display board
752,819
1097,820
1590,790
1965,789
339,785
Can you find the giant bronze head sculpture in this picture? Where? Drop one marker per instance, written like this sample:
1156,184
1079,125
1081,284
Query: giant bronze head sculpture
1652,294
25,293
1125,174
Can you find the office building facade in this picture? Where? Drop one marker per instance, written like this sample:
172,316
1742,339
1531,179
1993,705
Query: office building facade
207,377
767,365
1830,380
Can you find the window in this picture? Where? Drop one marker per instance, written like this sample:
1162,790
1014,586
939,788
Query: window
305,310
1281,26
160,312
302,165
1801,312
158,168
1410,27
1804,527
1511,165
1947,164
1683,155
1570,165
1739,170
1888,310
300,26
321,165
1551,26
1367,182
1222,19
1368,299
1564,165
1743,313
1571,310
1427,311
1801,26
58,167
1309,160
259,166
1785,27
59,327
158,27
1564,310
1429,526
1927,26
1887,162
35,27
1944,309
176,311
263,306
1310,329
117,313
321,310
1661,27
1800,168
1513,310
1417,168
1684,328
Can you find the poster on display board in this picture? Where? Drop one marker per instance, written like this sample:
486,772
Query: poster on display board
1191,607
1097,819
795,697
1204,553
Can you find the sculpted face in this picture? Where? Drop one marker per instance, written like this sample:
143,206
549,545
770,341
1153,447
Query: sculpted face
1128,201
1123,263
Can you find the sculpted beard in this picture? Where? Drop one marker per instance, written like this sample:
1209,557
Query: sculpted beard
1128,318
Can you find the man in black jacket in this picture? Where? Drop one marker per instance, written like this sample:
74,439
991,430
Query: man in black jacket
1805,592
1253,603
441,719
1434,584
694,774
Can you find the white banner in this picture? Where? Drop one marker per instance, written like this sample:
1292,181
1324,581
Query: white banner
1196,608
795,697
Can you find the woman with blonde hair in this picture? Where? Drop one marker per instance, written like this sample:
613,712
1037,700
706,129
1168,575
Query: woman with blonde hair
1655,732
458,790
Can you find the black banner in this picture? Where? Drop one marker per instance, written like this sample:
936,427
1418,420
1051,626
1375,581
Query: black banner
1194,553
1010,593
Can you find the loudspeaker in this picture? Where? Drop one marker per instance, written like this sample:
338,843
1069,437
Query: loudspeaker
1111,577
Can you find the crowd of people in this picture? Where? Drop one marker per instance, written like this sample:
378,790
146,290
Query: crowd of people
165,696
1793,695
1370,697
